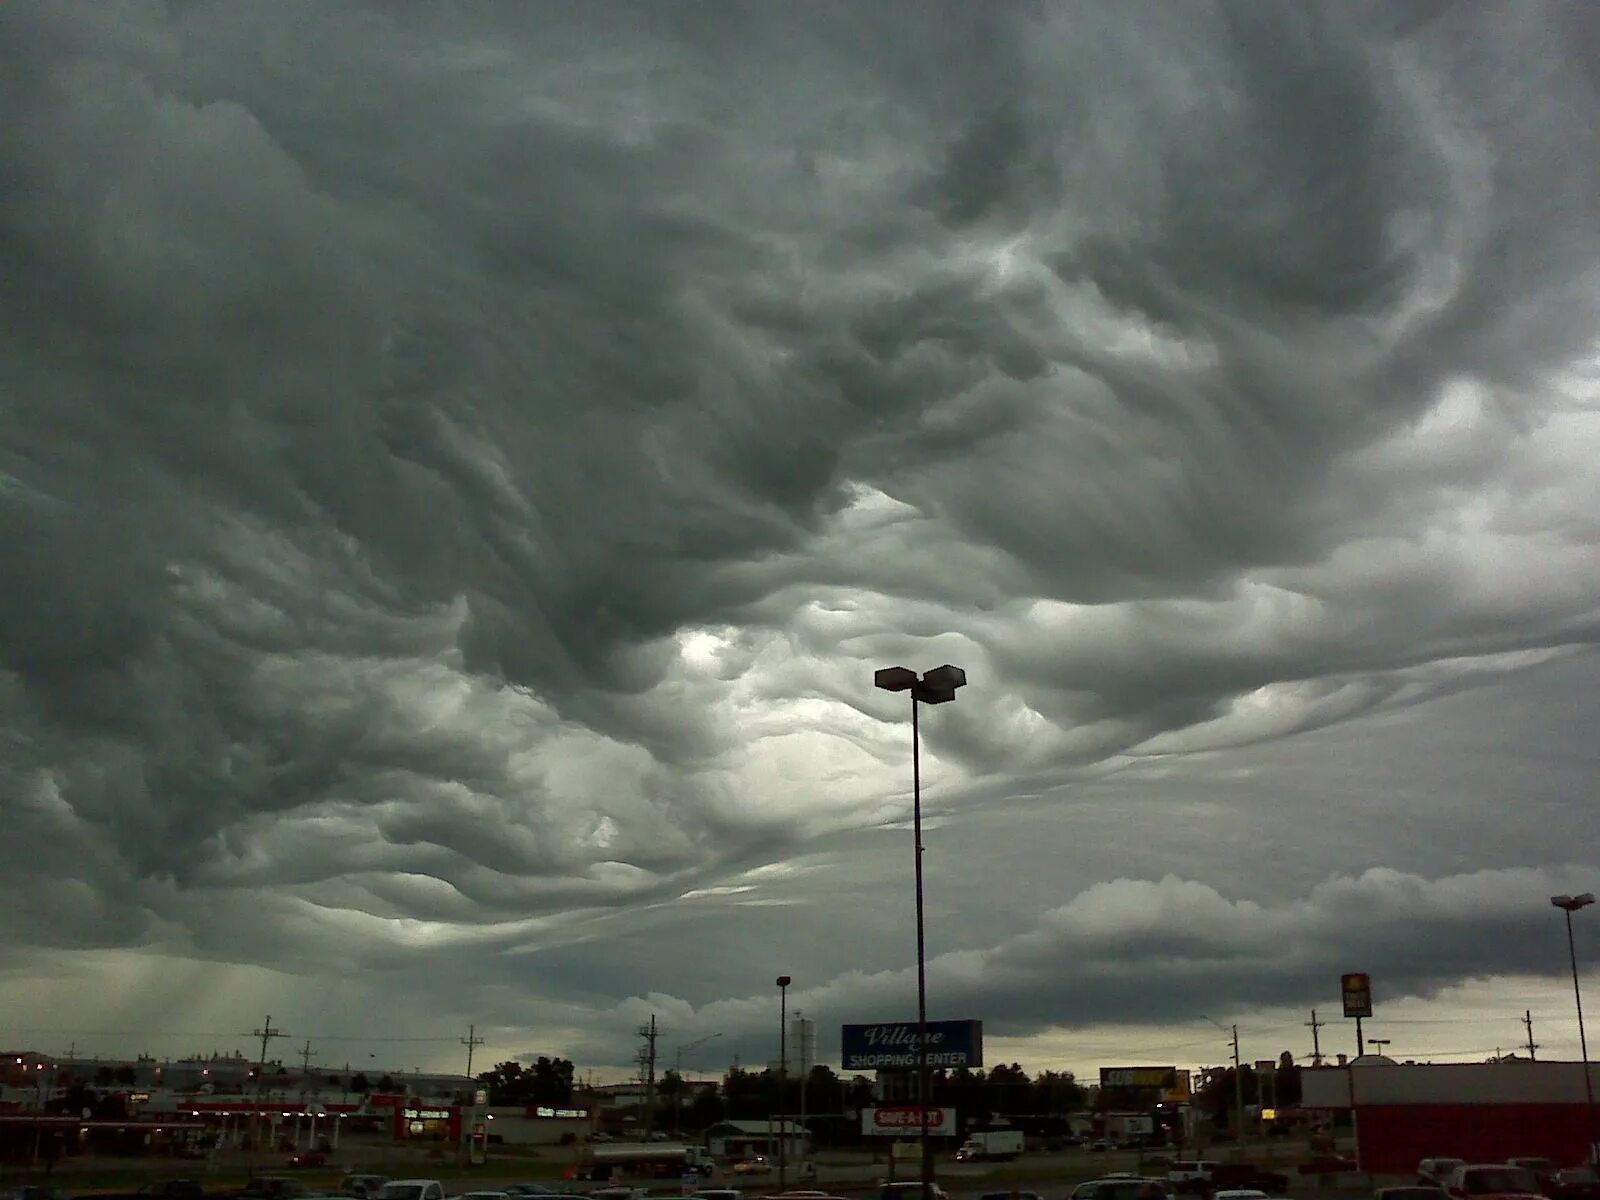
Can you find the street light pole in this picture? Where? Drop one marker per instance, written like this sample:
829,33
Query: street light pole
677,1070
1570,905
783,1078
935,687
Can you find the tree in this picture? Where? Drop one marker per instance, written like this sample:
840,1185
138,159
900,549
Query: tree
126,1075
387,1084
705,1109
551,1081
1286,1082
508,1083
1007,1089
1057,1092
360,1084
823,1090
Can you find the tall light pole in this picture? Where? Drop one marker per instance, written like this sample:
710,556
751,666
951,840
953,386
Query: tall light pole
677,1070
1570,905
935,687
783,1078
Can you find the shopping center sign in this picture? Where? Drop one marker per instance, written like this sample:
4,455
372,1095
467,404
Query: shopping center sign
893,1045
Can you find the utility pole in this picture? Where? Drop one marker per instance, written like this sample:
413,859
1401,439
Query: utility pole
1527,1021
266,1033
305,1061
1316,1041
647,1060
1238,1081
472,1041
1238,1093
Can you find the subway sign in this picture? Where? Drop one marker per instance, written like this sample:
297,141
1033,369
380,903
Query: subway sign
893,1045
1161,1078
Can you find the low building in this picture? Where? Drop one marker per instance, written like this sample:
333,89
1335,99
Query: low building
1482,1112
748,1139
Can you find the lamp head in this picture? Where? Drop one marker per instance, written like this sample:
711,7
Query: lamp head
939,685
784,981
1573,903
894,679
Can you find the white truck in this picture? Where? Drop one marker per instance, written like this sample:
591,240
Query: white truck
990,1144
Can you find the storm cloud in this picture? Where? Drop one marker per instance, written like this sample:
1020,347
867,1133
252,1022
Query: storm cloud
460,467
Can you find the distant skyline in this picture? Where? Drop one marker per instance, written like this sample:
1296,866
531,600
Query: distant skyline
461,467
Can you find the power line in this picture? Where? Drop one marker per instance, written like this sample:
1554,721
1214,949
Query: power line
209,1033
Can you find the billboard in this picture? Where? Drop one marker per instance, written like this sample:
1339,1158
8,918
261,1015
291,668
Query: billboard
901,1121
1357,991
1164,1078
892,1045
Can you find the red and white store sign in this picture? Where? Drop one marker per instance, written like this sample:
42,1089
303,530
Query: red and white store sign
901,1120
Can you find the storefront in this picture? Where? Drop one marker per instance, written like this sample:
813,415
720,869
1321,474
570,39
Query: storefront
1482,1112
426,1123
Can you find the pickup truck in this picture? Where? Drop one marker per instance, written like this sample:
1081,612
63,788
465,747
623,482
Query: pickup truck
1203,1177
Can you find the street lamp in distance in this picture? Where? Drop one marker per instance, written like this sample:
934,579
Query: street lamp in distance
1570,905
677,1070
937,686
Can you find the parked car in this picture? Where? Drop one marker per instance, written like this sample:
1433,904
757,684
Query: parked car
912,1189
411,1189
1227,1176
362,1187
1328,1164
1011,1196
1411,1191
718,1194
1493,1181
1190,1174
1121,1187
272,1187
753,1166
486,1195
528,1189
156,1189
1576,1183
1544,1170
1437,1170
308,1158
1241,1194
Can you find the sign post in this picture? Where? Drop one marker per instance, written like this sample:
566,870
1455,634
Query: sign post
1357,991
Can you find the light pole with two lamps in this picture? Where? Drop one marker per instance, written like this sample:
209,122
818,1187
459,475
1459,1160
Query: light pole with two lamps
937,686
1570,905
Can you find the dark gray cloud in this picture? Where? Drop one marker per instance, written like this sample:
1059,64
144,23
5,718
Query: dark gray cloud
458,470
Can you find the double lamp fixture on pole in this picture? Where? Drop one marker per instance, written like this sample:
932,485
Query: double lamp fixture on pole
935,687
1570,905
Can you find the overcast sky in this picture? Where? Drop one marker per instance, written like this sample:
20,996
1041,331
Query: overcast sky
460,466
